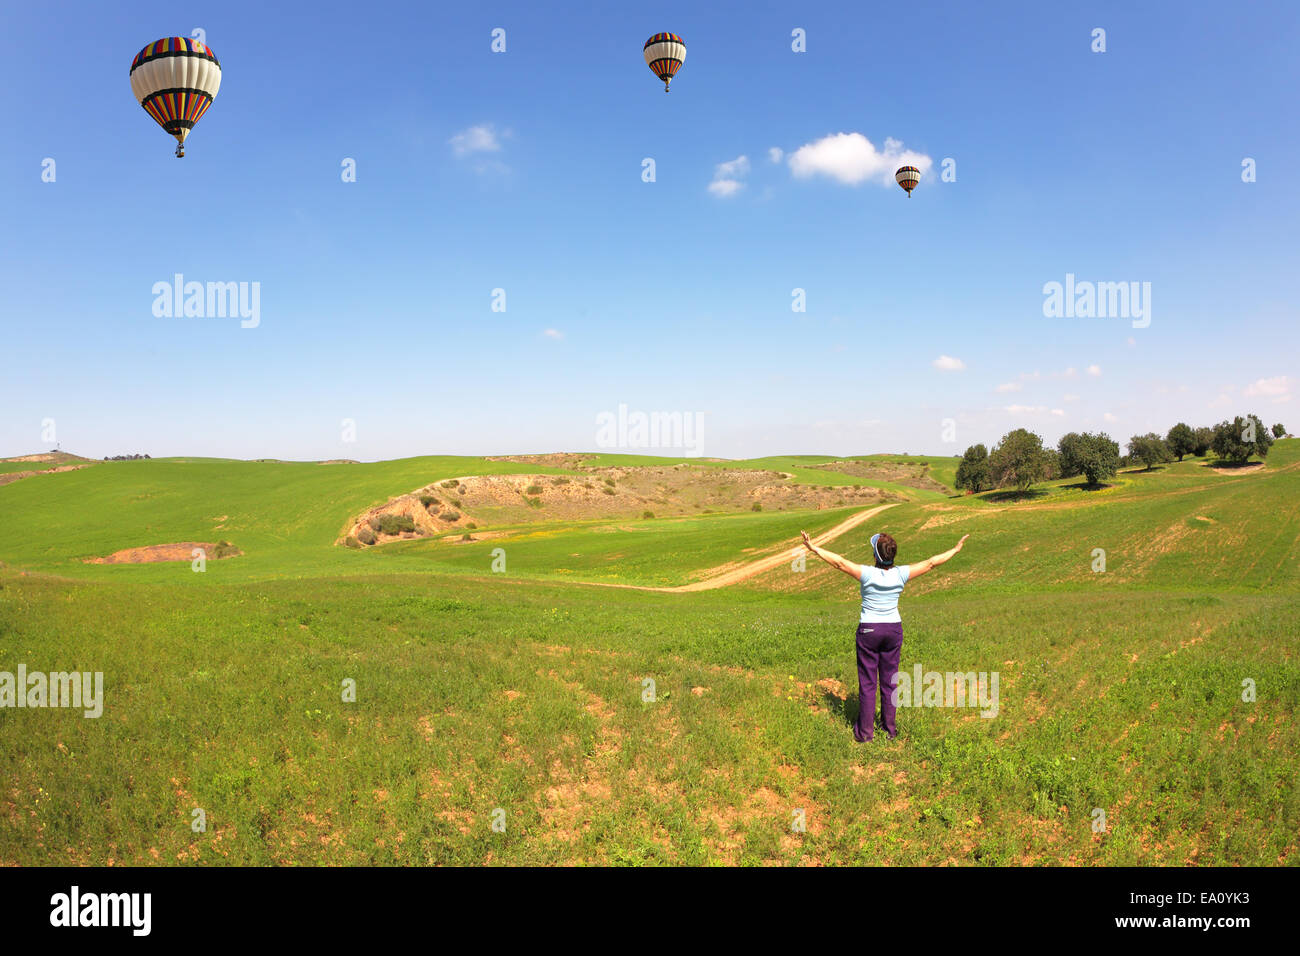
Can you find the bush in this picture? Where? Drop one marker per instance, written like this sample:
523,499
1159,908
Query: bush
1181,440
1150,449
366,536
466,537
450,516
224,549
647,514
1279,430
395,524
1096,457
533,490
450,483
373,522
559,481
1240,438
756,507
1018,460
608,491
609,481
427,500
973,472
471,526
352,542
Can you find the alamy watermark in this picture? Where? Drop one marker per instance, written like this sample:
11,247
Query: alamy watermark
923,688
78,690
682,431
179,299
1098,300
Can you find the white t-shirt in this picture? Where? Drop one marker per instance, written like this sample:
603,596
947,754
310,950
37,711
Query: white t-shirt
881,588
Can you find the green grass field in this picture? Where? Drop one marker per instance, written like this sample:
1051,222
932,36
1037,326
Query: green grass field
518,696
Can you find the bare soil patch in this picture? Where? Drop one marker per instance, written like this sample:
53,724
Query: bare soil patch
177,551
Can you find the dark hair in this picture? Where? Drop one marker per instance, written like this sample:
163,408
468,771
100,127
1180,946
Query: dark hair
887,548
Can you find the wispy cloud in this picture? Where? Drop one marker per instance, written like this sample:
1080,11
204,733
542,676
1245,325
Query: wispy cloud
476,139
946,363
1277,389
727,176
775,154
1094,371
851,158
553,334
1009,387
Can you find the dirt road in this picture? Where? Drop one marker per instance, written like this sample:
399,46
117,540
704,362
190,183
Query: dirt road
735,575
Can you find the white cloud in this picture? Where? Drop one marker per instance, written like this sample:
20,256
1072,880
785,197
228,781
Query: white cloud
1109,417
947,363
1009,387
476,139
775,153
1069,398
1132,342
1277,388
1094,370
1058,411
851,158
727,176
553,334
1070,372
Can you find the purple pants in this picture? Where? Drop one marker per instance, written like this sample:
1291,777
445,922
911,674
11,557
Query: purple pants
879,647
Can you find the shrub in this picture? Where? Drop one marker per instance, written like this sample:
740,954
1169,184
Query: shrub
449,516
533,490
373,522
609,481
1240,438
1096,457
366,536
352,542
559,481
973,472
466,537
756,507
450,483
608,491
395,524
1018,460
1181,440
471,526
1150,449
647,514
427,500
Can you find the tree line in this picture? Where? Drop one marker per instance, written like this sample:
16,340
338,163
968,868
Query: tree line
1020,459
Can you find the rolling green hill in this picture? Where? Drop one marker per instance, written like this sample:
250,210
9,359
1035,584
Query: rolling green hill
1120,690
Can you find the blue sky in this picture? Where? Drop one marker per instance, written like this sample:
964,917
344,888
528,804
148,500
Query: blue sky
522,171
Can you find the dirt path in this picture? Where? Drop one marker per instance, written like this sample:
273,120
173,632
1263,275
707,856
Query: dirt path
756,567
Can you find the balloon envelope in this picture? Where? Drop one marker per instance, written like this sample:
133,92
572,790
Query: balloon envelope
664,54
908,177
176,79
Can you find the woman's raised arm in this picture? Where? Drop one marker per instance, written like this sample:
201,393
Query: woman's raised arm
833,559
918,569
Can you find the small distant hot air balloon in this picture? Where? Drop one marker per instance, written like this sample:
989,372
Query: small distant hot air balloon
908,177
176,79
664,54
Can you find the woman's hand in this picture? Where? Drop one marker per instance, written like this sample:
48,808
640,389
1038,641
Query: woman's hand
961,542
807,541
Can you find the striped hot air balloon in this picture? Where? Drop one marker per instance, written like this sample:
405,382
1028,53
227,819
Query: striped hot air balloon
908,177
176,79
664,54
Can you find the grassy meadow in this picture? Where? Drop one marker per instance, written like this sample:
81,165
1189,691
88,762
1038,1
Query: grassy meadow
518,696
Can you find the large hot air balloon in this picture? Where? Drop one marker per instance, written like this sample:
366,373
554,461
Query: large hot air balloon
176,79
664,54
908,177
